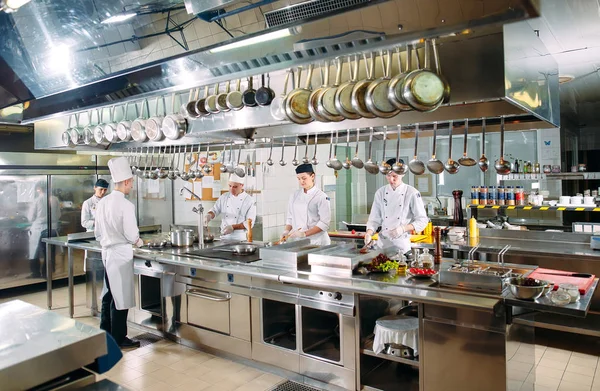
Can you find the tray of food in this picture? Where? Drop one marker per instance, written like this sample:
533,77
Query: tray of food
421,272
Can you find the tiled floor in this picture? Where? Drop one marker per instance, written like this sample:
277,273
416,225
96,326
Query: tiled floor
168,366
163,365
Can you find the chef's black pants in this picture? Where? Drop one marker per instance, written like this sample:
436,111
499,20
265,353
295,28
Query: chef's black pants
112,320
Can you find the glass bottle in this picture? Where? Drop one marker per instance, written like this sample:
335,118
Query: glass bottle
519,196
492,195
510,195
475,195
501,196
426,259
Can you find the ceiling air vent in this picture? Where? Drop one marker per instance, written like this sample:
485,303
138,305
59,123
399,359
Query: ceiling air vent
309,10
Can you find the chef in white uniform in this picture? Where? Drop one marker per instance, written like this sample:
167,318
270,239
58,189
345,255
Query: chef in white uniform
398,209
38,216
309,212
237,207
88,209
117,230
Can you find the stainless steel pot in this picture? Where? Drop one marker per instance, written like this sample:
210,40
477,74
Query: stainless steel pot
182,237
399,350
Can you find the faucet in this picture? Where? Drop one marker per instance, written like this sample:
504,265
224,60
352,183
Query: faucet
200,211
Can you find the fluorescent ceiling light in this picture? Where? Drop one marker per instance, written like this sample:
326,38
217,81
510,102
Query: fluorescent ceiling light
254,40
119,18
12,5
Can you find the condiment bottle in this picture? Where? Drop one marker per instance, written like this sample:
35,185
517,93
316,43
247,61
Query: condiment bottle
402,265
519,196
437,255
473,228
501,196
510,195
249,233
491,195
475,195
426,259
483,195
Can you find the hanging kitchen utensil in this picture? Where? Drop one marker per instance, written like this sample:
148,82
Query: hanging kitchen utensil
295,162
451,165
162,172
423,89
138,171
370,166
282,162
234,98
133,161
305,158
313,104
277,110
395,85
399,167
199,172
154,123
148,169
483,160
435,165
66,136
263,95
296,103
356,162
328,162
502,166
124,126
334,162
75,133
384,167
360,89
174,125
191,161
110,129
465,160
138,126
200,105
207,166
223,167
222,99
239,169
210,104
99,131
326,99
343,94
230,166
376,97
438,68
153,174
347,164
249,96
314,161
184,175
190,107
270,160
88,131
416,166
171,174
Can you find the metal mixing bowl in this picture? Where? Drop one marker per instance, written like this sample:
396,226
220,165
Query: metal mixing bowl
526,292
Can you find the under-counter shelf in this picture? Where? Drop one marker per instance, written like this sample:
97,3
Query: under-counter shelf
368,350
542,208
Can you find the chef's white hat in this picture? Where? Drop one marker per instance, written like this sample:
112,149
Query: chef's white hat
236,179
119,169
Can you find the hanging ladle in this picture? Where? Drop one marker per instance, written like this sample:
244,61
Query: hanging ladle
223,167
270,160
314,161
176,167
435,165
295,162
347,163
305,158
184,174
230,167
384,167
356,162
282,162
198,172
483,160
370,166
171,174
465,160
207,167
451,166
328,162
334,162
416,166
399,167
239,169
149,170
502,166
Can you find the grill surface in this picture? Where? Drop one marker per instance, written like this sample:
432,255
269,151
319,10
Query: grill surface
308,10
293,386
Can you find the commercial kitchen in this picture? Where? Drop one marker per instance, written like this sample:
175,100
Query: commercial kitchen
483,111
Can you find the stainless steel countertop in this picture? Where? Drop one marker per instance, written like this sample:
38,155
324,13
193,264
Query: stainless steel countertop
37,345
424,291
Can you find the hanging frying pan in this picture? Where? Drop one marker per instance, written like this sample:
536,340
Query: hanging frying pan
376,97
249,96
110,129
423,89
395,85
210,104
326,99
154,123
296,103
138,126
277,110
124,126
343,94
264,95
174,125
88,131
190,107
360,89
234,98
222,99
313,106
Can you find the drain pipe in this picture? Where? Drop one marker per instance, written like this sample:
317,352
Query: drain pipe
200,211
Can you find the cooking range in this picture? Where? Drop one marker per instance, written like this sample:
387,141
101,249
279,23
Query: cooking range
223,252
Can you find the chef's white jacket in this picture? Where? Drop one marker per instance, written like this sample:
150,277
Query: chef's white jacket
308,210
88,213
393,208
235,210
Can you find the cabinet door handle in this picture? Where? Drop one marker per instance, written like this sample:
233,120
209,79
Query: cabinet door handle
201,295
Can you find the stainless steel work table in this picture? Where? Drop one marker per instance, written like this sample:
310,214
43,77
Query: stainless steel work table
37,345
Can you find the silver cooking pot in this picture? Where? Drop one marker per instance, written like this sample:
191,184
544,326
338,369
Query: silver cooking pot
399,351
182,237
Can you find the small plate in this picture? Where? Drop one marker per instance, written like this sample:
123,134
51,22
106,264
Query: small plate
420,276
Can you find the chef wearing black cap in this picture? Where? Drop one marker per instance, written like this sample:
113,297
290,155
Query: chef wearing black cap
88,209
398,209
309,212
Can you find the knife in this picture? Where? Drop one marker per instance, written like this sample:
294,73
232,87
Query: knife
254,164
248,165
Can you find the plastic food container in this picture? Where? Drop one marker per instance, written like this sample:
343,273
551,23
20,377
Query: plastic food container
572,290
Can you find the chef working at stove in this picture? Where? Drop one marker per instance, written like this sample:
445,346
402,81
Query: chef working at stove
88,209
116,230
237,207
398,209
309,212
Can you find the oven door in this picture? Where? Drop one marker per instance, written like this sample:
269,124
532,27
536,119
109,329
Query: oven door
208,309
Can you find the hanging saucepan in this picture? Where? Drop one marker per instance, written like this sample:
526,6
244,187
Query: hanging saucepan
234,98
99,131
88,131
154,123
264,95
75,132
277,110
465,160
435,165
423,89
138,126
376,96
502,166
211,101
200,105
222,99
438,69
326,99
451,165
183,109
110,129
360,89
395,86
124,126
296,103
66,136
249,96
313,106
190,107
174,125
343,94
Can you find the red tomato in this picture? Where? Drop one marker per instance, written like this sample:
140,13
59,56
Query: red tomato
353,232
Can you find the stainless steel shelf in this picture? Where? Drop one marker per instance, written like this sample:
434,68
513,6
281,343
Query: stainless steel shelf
542,208
368,350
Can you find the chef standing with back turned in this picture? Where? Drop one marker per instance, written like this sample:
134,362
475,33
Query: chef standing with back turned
398,209
117,230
